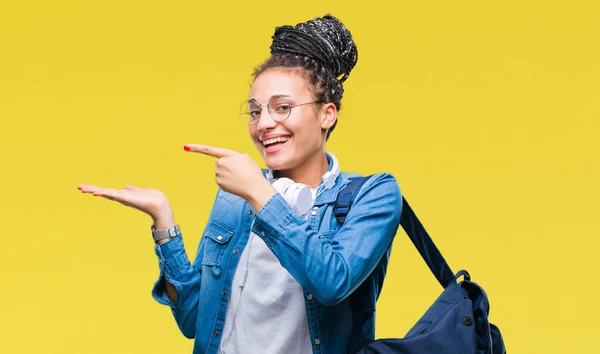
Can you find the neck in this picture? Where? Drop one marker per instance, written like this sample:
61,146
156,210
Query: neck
310,173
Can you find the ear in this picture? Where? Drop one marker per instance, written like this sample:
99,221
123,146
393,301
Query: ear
328,115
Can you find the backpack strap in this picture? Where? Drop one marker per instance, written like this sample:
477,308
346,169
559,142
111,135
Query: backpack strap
411,225
424,244
345,198
419,237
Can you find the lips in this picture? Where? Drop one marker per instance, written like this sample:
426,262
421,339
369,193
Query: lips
281,139
274,143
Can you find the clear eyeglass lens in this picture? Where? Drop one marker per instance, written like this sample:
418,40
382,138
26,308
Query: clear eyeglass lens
250,112
280,109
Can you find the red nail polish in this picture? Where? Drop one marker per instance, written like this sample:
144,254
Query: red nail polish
186,148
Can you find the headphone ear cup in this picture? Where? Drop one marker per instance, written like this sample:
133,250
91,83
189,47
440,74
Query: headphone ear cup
285,187
290,193
303,199
297,195
282,184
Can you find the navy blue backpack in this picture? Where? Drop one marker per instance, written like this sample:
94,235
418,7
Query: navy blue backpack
456,323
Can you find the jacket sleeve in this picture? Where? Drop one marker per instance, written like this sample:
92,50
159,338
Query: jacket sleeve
332,269
175,267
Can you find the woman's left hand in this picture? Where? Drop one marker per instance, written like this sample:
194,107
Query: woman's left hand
237,174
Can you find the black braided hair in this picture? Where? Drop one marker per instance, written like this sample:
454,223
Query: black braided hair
324,52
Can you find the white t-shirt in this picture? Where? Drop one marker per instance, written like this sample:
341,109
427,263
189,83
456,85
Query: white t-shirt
266,312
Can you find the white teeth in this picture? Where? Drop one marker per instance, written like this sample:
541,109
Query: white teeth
280,139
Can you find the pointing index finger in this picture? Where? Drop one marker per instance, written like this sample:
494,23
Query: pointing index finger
209,150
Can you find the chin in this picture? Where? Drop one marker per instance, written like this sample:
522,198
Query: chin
275,163
279,162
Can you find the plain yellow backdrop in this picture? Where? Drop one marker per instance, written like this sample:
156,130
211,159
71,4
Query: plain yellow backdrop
485,111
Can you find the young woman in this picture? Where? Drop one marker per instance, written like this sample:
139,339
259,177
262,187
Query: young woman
274,269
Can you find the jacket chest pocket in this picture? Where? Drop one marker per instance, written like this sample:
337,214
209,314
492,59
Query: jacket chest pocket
216,241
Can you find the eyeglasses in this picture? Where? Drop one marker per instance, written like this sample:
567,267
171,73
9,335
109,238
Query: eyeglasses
279,108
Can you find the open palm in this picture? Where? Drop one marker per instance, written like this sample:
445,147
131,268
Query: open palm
150,201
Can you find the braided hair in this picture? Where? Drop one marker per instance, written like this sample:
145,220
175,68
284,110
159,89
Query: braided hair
322,50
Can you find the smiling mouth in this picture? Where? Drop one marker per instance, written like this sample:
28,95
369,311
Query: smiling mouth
275,142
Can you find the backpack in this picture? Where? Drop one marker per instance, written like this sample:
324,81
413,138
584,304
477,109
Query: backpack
456,323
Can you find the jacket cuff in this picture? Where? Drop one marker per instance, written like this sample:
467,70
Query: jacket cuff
171,255
273,219
171,258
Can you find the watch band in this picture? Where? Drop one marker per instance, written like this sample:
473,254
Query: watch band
162,234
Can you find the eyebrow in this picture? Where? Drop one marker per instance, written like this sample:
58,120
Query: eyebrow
272,97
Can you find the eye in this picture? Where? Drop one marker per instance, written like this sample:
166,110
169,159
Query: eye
254,114
283,108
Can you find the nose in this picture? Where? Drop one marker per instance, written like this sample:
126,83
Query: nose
265,122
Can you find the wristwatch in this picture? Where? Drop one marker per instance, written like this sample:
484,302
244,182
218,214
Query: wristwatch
162,234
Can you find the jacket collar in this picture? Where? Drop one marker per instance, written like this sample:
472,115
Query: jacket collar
329,195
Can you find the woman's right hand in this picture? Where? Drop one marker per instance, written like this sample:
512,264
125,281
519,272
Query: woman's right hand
150,201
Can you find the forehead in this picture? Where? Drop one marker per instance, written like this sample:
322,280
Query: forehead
274,82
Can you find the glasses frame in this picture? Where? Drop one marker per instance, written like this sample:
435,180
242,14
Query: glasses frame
260,105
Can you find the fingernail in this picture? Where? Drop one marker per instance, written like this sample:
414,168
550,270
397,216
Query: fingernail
186,148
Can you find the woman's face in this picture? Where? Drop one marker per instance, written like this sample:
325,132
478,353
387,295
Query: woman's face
289,144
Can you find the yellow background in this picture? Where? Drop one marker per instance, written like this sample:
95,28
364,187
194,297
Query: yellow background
486,112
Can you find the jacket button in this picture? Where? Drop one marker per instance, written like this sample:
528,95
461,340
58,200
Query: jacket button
249,212
216,334
236,251
317,341
309,297
467,321
313,213
224,292
219,238
262,233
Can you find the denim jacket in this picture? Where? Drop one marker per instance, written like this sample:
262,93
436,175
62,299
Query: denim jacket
327,259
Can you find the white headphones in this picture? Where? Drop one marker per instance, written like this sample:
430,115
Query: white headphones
330,176
300,196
